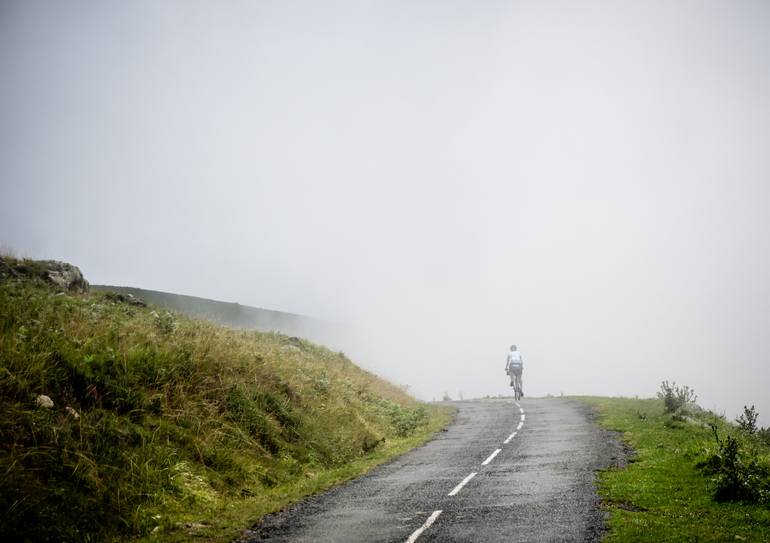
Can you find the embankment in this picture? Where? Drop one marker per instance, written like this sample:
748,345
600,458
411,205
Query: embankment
123,422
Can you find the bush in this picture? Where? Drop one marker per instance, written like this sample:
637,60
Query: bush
675,397
739,475
404,420
748,420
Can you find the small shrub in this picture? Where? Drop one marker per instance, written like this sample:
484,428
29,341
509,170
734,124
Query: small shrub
748,420
165,323
739,476
404,420
675,397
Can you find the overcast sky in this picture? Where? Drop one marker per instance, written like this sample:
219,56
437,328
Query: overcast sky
589,180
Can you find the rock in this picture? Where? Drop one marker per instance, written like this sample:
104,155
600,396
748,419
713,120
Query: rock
44,401
60,274
7,268
295,343
65,276
72,413
126,299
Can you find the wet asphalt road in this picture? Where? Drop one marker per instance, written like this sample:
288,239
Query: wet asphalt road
538,487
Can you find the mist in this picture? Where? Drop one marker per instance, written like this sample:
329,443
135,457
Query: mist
589,181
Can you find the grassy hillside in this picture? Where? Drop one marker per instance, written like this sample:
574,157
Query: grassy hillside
166,428
683,482
237,315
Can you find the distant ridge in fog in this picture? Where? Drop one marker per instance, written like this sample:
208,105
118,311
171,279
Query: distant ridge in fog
238,316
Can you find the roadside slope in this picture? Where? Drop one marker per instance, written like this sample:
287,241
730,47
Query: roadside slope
663,494
166,427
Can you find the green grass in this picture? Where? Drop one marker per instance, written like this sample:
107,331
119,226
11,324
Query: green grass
661,495
185,429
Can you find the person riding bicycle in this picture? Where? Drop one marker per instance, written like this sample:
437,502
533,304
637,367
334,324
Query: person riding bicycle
514,366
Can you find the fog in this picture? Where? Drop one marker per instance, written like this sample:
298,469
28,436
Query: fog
588,180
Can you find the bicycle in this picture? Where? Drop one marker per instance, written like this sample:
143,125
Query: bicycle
516,384
518,391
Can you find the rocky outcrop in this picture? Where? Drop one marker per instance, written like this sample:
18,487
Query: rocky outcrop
65,276
60,274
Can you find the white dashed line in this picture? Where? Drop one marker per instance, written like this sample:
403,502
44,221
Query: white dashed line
421,529
459,487
455,490
491,456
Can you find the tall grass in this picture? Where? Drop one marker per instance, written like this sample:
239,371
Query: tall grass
177,421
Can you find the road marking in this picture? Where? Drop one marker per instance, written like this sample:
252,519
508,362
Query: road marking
459,487
431,519
491,456
421,529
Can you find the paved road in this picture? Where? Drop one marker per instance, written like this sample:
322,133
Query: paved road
534,486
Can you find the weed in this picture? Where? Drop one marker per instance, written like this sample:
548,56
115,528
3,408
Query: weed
404,420
165,322
740,470
675,397
738,475
747,421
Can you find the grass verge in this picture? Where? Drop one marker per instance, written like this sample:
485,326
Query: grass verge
156,427
661,495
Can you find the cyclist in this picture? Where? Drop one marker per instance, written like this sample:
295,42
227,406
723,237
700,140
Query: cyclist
514,366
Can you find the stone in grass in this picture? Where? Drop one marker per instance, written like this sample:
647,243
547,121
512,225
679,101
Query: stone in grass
44,401
126,298
72,413
64,275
